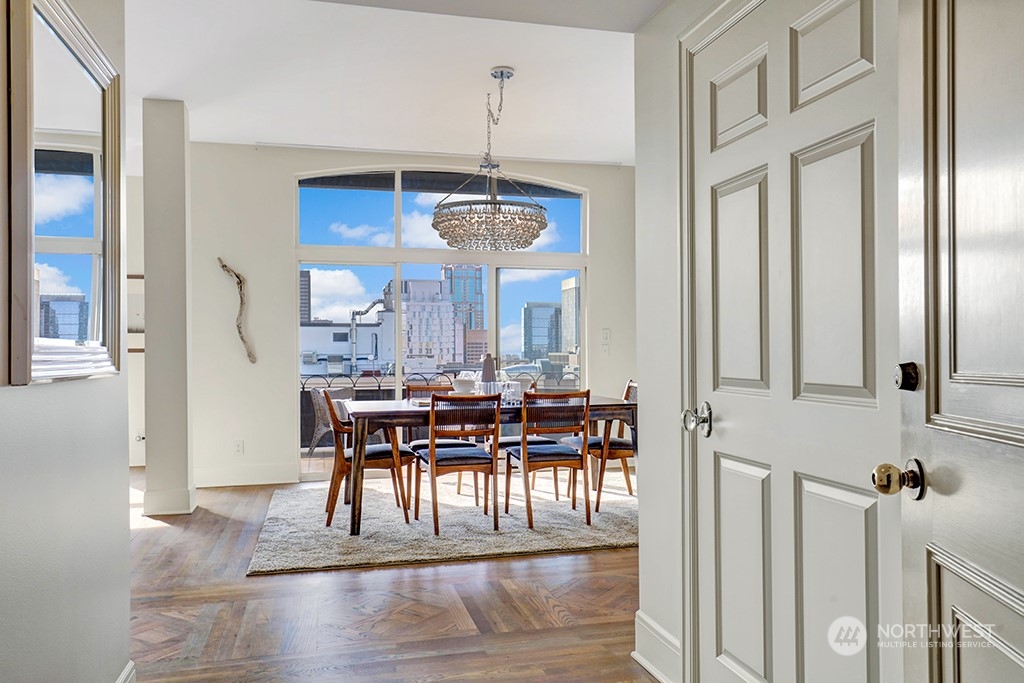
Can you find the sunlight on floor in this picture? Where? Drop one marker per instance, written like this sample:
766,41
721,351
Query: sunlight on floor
136,520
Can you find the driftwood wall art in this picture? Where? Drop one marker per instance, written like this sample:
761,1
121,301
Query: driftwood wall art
240,283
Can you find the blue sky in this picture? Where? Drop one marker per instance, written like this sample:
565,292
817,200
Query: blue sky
366,218
63,207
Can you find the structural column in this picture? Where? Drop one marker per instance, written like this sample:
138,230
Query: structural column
170,487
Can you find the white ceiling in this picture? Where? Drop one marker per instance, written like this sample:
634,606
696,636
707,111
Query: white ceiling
331,74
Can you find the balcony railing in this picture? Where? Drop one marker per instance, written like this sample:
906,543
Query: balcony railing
368,386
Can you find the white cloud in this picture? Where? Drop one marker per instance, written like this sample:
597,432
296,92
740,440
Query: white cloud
417,231
511,339
547,237
334,294
508,276
367,234
53,280
58,196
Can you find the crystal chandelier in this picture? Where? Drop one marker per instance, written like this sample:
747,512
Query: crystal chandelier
490,224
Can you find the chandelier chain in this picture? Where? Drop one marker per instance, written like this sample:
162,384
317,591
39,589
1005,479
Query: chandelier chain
493,118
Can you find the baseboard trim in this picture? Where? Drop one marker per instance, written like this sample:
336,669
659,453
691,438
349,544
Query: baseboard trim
248,475
657,650
172,502
128,675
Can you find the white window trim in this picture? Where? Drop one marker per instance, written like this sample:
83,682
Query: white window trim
343,255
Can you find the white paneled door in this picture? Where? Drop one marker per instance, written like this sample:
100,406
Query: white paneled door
790,147
962,322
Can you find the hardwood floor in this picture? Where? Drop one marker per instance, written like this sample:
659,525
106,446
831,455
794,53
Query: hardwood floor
195,616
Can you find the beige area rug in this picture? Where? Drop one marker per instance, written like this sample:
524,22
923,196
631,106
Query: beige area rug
294,538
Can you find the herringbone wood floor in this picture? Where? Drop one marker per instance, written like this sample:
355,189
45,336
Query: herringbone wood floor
197,617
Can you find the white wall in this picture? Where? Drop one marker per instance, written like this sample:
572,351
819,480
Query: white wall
64,576
661,634
244,210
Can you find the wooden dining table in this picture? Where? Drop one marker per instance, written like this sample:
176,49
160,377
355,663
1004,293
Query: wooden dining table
369,416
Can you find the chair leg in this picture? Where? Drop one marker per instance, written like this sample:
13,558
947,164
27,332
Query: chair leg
572,485
625,473
408,483
348,489
526,492
394,487
600,484
494,492
419,476
433,502
333,492
508,480
476,490
458,484
396,483
318,433
486,489
554,478
586,488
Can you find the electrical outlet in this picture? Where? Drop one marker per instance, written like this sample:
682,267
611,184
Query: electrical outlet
606,335
239,447
605,350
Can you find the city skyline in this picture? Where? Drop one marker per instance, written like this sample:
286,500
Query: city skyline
336,290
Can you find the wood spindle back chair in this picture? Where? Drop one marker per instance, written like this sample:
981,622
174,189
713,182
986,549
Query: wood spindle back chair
619,447
390,456
551,413
464,418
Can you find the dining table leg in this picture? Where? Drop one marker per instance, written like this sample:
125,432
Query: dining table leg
359,435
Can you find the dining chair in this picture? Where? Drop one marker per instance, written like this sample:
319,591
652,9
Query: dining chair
461,417
551,413
532,439
419,436
390,456
619,447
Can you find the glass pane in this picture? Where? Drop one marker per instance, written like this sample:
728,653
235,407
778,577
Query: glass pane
422,190
346,320
64,194
347,344
444,318
352,210
64,283
539,311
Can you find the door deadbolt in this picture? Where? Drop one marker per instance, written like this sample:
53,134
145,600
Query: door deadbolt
906,376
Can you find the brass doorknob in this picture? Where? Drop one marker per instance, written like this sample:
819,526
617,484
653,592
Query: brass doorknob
889,479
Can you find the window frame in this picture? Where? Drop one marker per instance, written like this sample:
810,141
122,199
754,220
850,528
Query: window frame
397,256
32,360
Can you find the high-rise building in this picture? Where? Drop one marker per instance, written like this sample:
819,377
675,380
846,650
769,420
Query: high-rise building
465,282
542,329
571,315
64,316
429,322
304,307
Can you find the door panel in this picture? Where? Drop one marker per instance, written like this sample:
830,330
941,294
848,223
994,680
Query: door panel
980,157
833,277
739,234
791,165
743,579
961,259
